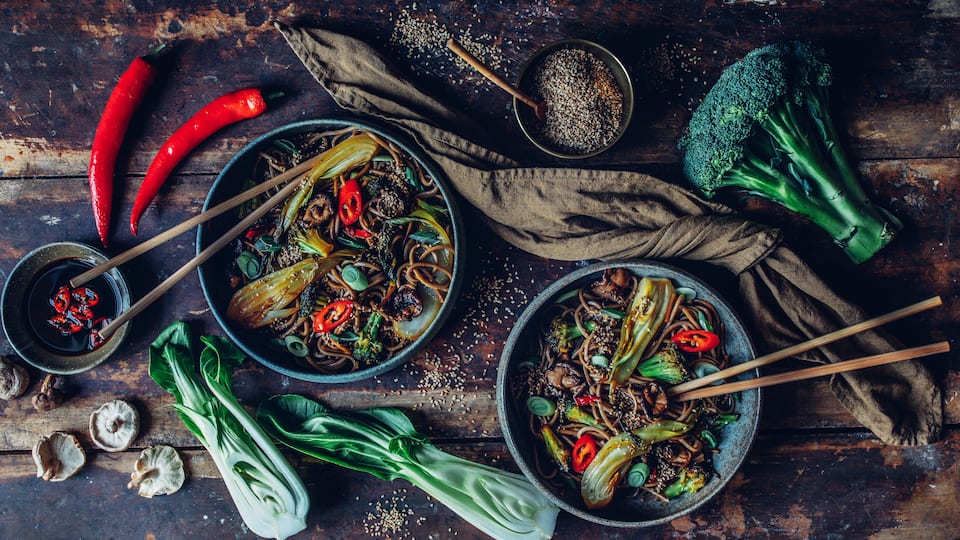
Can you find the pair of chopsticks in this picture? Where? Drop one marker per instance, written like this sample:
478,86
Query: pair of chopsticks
697,388
204,255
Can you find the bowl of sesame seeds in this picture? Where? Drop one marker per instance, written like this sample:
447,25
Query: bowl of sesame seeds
588,94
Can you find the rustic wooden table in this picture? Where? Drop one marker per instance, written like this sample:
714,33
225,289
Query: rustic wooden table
813,472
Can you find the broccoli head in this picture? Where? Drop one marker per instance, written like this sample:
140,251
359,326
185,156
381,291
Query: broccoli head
369,348
765,129
666,365
561,333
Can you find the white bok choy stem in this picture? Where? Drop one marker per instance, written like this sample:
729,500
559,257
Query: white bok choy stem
269,495
383,442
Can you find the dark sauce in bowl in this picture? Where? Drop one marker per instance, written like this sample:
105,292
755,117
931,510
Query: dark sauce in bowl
40,309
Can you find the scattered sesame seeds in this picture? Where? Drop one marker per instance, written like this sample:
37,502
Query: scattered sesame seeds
389,518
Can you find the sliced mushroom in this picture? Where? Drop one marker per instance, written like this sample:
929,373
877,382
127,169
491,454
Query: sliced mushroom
114,426
14,379
58,456
612,285
159,471
404,304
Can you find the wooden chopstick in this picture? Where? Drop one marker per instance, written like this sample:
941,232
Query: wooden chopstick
806,345
202,217
818,371
201,257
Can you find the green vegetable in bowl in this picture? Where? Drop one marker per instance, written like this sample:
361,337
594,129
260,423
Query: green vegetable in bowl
269,495
383,442
765,129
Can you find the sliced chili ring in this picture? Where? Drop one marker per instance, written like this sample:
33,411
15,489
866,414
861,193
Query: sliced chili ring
85,296
584,450
61,299
695,340
350,202
64,324
586,399
332,315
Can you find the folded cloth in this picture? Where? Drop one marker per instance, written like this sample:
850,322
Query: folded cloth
577,214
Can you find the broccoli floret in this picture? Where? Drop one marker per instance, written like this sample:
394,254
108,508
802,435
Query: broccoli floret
691,479
666,365
561,333
368,348
765,129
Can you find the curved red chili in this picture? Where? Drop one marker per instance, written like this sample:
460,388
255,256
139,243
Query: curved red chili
122,103
695,340
219,113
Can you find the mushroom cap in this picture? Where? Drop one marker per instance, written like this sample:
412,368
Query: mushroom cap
58,456
14,379
159,471
115,425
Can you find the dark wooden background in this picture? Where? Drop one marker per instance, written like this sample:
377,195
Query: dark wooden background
813,472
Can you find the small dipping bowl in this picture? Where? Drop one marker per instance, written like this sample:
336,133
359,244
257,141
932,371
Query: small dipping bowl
540,132
26,307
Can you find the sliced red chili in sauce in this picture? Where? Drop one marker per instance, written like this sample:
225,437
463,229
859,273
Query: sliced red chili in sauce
586,399
695,340
332,315
350,202
584,450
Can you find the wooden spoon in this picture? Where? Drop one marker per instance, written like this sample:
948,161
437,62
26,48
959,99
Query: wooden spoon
540,108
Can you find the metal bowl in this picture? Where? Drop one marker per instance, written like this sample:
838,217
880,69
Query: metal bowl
624,511
212,273
24,320
532,126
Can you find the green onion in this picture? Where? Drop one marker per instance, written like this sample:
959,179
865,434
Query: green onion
704,323
383,442
702,369
354,277
345,336
614,313
600,360
429,238
638,474
412,178
725,420
541,406
266,244
249,265
350,242
569,295
709,438
689,294
296,346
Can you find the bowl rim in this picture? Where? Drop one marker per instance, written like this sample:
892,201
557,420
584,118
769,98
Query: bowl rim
612,60
399,138
531,312
18,335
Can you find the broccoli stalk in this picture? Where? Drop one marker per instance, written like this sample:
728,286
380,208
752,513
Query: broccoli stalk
666,366
368,348
765,129
690,481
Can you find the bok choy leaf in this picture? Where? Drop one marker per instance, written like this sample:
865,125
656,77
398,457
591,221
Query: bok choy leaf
383,442
269,495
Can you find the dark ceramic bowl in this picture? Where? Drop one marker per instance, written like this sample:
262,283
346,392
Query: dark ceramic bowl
212,274
25,308
532,126
625,511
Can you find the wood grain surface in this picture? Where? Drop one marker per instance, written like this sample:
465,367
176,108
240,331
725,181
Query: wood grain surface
814,472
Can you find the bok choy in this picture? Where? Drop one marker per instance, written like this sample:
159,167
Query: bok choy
271,498
383,442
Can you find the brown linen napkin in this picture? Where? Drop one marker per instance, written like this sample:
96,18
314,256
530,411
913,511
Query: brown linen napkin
576,214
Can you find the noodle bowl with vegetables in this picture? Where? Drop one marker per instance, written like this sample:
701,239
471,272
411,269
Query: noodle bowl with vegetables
349,272
584,393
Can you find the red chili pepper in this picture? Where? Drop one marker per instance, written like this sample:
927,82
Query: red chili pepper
85,296
586,399
122,103
65,324
695,340
332,315
219,113
357,232
61,299
81,313
350,202
584,450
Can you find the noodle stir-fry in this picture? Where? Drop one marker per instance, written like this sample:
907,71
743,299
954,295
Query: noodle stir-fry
356,264
595,389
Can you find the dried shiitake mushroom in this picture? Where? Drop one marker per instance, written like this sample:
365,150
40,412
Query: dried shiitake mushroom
159,471
49,397
114,426
58,456
14,379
